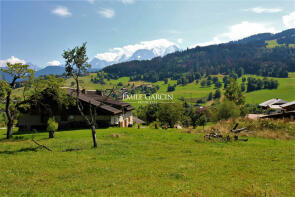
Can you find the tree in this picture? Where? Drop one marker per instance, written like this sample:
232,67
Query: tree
218,84
170,113
217,94
16,71
48,98
149,113
203,83
226,109
202,121
171,88
76,65
233,92
193,114
210,96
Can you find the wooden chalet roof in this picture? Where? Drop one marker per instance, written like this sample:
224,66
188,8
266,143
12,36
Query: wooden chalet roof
273,102
108,104
289,106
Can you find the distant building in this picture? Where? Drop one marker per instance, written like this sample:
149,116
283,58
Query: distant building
273,104
290,106
109,112
283,109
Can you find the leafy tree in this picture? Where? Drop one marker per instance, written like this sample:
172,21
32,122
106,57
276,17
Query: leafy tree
210,96
76,65
194,114
226,109
209,82
170,113
148,113
203,83
217,94
198,76
48,96
202,121
215,79
217,84
16,71
233,92
171,88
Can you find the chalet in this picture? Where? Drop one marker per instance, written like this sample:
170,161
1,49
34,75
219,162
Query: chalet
109,112
286,110
290,106
273,104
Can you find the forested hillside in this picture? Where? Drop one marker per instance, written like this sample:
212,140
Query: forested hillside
251,55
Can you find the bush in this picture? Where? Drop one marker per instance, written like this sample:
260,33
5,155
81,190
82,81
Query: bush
170,113
226,109
52,126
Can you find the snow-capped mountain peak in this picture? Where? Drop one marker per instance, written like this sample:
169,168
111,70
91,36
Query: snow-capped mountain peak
143,51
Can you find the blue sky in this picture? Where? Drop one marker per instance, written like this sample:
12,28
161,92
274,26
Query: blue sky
38,31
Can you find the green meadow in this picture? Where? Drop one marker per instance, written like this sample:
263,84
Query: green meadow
144,162
286,89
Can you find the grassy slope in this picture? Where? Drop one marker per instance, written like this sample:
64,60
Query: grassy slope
286,89
145,162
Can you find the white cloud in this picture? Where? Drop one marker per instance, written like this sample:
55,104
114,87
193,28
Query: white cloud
54,63
289,20
158,46
127,1
260,10
62,11
11,60
180,40
106,12
239,31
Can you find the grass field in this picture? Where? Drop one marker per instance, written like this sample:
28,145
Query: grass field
286,89
145,162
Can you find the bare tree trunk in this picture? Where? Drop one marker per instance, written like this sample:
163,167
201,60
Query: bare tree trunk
9,129
94,136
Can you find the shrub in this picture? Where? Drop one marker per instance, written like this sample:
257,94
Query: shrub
226,109
52,126
170,114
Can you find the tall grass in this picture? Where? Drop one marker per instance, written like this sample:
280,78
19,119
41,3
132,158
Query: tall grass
266,128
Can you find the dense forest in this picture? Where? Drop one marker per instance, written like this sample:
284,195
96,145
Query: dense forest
250,56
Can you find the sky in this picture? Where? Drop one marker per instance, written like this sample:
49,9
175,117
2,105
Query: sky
38,31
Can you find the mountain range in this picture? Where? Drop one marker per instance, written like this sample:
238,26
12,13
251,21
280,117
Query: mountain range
99,62
263,54
253,54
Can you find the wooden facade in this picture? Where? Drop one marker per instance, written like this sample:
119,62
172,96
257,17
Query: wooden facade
109,112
